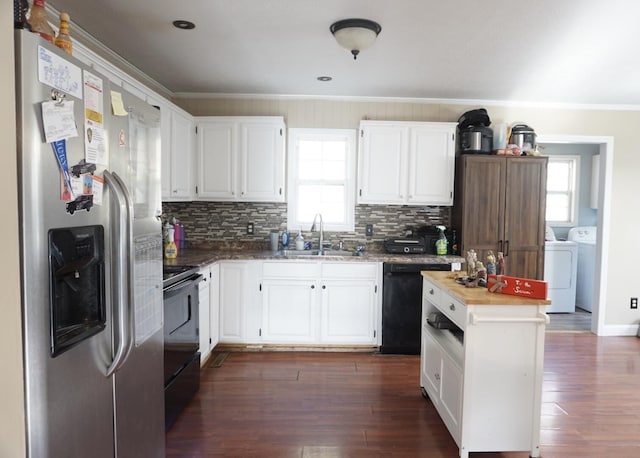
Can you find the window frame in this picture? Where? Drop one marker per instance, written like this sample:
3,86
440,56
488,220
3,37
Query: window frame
573,192
293,181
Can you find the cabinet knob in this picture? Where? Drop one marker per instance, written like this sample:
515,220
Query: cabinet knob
452,307
431,291
324,286
313,286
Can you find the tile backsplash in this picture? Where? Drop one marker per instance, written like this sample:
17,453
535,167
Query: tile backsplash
214,222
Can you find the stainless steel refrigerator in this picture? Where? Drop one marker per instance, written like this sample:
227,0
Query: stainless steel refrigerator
91,254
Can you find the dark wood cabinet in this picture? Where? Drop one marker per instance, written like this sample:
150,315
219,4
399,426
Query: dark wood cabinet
499,205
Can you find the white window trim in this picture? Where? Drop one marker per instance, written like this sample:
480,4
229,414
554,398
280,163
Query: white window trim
295,134
575,190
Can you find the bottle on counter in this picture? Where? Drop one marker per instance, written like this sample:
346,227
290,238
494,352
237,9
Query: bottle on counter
170,249
285,239
300,241
63,40
38,21
441,243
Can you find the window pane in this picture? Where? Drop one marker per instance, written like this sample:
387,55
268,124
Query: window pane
322,160
558,176
558,208
325,199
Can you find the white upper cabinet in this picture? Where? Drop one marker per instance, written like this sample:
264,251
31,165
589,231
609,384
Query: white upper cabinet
177,135
241,159
406,163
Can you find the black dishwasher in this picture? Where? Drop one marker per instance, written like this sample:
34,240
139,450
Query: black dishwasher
402,306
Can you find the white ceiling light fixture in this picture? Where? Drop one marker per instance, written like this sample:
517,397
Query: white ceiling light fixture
355,34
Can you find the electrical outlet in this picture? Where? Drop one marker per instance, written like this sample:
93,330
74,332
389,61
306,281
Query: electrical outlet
250,228
368,230
634,302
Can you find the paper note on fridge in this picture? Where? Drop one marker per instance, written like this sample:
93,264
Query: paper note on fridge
117,105
58,120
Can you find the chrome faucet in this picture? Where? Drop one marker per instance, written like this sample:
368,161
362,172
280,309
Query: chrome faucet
313,228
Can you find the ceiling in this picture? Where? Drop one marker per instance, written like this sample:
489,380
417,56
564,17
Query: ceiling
540,51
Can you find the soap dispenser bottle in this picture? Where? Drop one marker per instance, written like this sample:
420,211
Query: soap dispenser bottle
300,241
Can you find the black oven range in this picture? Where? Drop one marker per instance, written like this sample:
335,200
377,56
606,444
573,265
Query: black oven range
181,341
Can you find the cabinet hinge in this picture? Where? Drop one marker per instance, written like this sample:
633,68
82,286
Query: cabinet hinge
281,132
196,190
375,290
453,137
280,191
196,130
360,192
210,340
374,333
260,332
450,193
260,287
361,133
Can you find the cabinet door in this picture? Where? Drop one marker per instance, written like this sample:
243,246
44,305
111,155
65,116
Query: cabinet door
524,217
182,132
165,147
480,203
232,286
431,164
214,306
348,311
382,163
289,311
262,161
451,396
216,171
430,366
204,314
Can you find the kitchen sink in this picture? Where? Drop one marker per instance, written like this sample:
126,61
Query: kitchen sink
326,253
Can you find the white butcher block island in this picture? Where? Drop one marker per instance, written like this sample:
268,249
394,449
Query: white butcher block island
482,368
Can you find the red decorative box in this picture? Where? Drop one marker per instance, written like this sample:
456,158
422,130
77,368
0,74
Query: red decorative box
525,287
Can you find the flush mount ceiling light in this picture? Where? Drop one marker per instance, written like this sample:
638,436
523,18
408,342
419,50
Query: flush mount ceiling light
184,25
355,34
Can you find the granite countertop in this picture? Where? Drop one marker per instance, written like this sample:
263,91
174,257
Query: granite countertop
479,295
204,256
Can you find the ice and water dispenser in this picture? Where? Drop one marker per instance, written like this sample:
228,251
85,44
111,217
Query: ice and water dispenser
77,285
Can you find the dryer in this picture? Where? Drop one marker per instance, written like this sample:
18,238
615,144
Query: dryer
585,237
560,273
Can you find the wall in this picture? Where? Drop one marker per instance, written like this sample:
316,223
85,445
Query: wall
207,222
622,125
12,426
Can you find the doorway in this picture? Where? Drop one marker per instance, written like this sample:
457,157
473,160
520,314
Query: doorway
605,147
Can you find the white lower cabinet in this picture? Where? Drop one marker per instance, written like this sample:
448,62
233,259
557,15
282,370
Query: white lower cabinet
214,306
240,314
204,304
485,378
319,302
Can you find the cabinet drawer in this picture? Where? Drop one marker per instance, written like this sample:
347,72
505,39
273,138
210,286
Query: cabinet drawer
294,270
349,270
430,292
454,309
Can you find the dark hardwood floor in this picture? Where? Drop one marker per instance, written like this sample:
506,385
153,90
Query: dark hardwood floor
329,405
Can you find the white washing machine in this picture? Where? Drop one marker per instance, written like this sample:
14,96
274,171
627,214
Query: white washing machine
560,273
585,237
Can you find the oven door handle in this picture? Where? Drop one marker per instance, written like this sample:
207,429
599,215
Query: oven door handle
122,256
176,289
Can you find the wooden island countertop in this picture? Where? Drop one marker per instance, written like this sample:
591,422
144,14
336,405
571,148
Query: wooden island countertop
476,296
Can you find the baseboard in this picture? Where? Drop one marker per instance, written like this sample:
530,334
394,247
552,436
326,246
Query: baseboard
610,330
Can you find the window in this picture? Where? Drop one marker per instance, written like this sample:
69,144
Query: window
321,178
562,192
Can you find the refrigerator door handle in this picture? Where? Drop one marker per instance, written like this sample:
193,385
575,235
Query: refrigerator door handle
122,247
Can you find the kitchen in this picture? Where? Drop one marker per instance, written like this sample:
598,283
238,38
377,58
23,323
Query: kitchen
346,114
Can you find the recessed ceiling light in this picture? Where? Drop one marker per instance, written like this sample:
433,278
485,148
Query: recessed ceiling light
324,78
184,25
